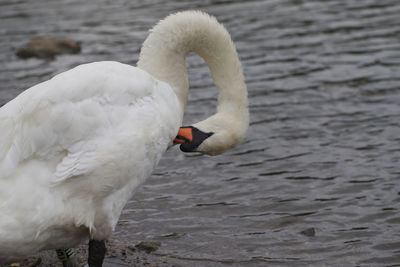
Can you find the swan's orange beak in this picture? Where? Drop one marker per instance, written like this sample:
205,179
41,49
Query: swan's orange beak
184,135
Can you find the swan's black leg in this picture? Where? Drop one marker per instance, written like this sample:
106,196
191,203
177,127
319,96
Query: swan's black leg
97,252
66,256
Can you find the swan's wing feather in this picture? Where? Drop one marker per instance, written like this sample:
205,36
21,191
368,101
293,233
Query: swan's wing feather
79,160
74,106
9,148
6,126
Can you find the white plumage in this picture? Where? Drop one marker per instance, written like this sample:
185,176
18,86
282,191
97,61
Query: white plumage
72,149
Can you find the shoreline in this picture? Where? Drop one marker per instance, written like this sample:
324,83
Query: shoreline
118,255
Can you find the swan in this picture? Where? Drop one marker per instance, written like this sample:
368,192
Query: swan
74,148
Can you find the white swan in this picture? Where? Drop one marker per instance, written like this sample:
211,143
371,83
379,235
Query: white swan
72,149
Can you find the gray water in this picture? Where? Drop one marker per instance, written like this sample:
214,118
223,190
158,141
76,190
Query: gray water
322,151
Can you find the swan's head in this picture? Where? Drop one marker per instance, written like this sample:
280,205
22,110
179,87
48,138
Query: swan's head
213,136
163,55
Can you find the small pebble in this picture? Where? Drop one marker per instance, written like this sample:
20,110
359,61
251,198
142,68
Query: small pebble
148,246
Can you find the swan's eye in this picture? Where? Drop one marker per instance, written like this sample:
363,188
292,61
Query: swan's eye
190,138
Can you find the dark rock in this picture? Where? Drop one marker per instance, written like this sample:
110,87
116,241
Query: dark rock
308,232
48,48
131,248
148,246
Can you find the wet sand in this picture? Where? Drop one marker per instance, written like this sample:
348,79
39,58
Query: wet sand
118,255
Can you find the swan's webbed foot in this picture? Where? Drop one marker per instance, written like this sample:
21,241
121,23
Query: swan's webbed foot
97,252
67,257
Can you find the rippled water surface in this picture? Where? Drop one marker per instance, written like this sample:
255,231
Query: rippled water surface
317,180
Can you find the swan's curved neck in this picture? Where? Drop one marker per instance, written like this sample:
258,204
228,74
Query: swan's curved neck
164,51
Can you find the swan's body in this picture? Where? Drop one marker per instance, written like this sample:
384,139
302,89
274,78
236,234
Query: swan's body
72,149
73,158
